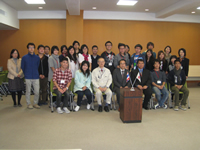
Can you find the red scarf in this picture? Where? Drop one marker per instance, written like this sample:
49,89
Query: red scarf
85,57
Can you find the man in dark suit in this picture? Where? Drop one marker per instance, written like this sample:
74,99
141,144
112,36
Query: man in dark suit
145,81
121,78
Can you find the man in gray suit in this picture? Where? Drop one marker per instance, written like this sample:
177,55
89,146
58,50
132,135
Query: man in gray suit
121,78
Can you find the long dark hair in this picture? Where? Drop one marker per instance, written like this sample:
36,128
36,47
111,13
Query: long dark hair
173,56
159,55
82,47
12,51
87,73
70,56
152,59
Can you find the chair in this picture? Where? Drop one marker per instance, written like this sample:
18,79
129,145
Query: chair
2,79
52,93
188,101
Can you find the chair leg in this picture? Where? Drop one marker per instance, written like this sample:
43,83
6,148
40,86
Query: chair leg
188,103
92,108
51,103
70,101
114,102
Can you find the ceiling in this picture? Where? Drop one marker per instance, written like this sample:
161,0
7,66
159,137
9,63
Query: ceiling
159,7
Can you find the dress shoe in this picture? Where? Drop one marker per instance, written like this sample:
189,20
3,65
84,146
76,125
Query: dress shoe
100,109
146,107
106,108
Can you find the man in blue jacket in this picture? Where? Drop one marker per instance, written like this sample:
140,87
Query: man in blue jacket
29,65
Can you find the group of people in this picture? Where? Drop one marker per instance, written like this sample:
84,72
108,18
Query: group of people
101,75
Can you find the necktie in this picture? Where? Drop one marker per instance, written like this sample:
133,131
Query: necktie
122,74
101,70
140,74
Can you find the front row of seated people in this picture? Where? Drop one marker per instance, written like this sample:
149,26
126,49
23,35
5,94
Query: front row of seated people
101,79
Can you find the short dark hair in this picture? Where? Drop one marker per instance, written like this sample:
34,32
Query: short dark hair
64,59
94,46
140,60
128,47
169,48
121,44
82,47
108,42
138,45
182,49
150,43
62,47
75,43
156,60
54,48
12,51
47,47
30,44
40,46
121,60
177,61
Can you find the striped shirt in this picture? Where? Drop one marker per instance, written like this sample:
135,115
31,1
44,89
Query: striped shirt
60,76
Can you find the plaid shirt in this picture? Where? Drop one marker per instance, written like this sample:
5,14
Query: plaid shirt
58,75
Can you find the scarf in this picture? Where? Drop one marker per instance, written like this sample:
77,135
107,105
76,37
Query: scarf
64,54
177,74
85,57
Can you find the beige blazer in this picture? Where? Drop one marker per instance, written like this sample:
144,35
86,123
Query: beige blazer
12,68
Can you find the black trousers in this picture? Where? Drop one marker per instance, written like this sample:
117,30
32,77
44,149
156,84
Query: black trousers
147,95
87,93
117,91
59,97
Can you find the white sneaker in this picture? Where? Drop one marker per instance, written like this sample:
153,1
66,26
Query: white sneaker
165,106
59,110
66,110
88,106
77,108
156,106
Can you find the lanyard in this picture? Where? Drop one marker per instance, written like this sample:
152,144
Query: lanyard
157,74
57,63
109,57
122,56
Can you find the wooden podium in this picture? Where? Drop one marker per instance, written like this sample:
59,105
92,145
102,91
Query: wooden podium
131,105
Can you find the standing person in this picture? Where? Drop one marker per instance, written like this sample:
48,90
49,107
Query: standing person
76,46
120,79
74,65
15,76
122,55
84,55
177,79
83,84
62,79
108,56
137,55
184,61
143,82
167,52
163,61
127,49
43,72
101,80
94,57
54,62
30,63
171,63
63,52
150,45
158,85
46,51
149,60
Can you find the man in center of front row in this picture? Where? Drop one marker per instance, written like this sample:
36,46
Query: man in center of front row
101,80
121,78
143,82
62,78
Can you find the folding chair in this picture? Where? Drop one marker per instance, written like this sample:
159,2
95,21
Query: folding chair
52,93
2,79
188,101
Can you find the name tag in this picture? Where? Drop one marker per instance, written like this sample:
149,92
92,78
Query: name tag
159,82
62,81
110,64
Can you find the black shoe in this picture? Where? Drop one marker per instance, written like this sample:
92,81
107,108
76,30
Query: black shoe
146,107
106,109
100,109
14,105
19,105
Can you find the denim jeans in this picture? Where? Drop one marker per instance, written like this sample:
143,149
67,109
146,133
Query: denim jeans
159,92
87,93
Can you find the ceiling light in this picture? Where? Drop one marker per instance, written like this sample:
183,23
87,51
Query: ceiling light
193,12
35,1
146,9
94,8
40,7
198,7
126,2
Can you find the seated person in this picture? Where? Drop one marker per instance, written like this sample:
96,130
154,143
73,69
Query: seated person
62,79
158,85
101,80
120,79
83,84
143,82
177,79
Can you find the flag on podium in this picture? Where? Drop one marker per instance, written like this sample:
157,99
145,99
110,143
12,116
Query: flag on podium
138,77
127,77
